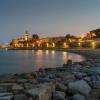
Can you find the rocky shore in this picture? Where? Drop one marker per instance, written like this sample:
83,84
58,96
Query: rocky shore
72,81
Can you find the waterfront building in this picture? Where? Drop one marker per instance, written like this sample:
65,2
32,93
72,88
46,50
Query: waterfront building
49,42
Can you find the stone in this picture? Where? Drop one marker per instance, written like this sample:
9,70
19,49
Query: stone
22,80
43,80
87,79
41,92
60,87
80,86
20,97
58,95
69,77
17,88
28,85
79,75
78,97
34,74
6,96
69,62
95,93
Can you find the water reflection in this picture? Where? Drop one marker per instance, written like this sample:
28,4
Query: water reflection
47,52
64,55
27,60
53,54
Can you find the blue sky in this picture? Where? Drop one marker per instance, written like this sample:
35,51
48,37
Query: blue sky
47,17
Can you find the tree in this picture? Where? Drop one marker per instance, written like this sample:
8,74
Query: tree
35,37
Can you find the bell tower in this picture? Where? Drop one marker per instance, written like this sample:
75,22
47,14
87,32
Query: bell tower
26,35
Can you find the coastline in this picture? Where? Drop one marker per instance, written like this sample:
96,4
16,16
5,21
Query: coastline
87,53
62,83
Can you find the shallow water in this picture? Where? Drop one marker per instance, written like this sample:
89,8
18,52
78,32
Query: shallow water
19,61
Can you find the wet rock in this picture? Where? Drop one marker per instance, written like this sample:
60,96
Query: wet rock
58,95
80,86
78,97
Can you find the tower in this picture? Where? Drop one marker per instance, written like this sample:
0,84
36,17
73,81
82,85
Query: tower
26,36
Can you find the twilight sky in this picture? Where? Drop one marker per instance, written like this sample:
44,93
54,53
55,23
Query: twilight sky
47,17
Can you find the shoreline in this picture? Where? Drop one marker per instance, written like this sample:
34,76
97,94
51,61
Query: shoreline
87,53
61,83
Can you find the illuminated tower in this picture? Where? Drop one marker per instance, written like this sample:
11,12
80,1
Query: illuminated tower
26,36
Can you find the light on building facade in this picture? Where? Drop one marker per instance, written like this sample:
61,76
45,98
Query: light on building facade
47,45
53,45
93,44
65,45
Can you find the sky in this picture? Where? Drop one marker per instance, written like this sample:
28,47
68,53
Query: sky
47,18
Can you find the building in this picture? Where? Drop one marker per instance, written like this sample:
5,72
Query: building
49,42
24,41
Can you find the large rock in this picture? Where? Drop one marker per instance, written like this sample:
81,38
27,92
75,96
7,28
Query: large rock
6,96
17,88
42,92
58,95
80,86
69,62
95,93
60,87
20,97
69,77
78,97
80,75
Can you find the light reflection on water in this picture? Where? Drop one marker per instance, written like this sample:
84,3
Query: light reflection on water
18,61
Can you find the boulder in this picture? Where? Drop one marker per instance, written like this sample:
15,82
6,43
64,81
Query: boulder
87,79
58,95
69,62
28,85
79,75
41,92
17,88
60,87
6,96
78,97
20,97
80,86
69,77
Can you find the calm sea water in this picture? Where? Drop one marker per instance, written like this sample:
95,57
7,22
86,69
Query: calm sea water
19,61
